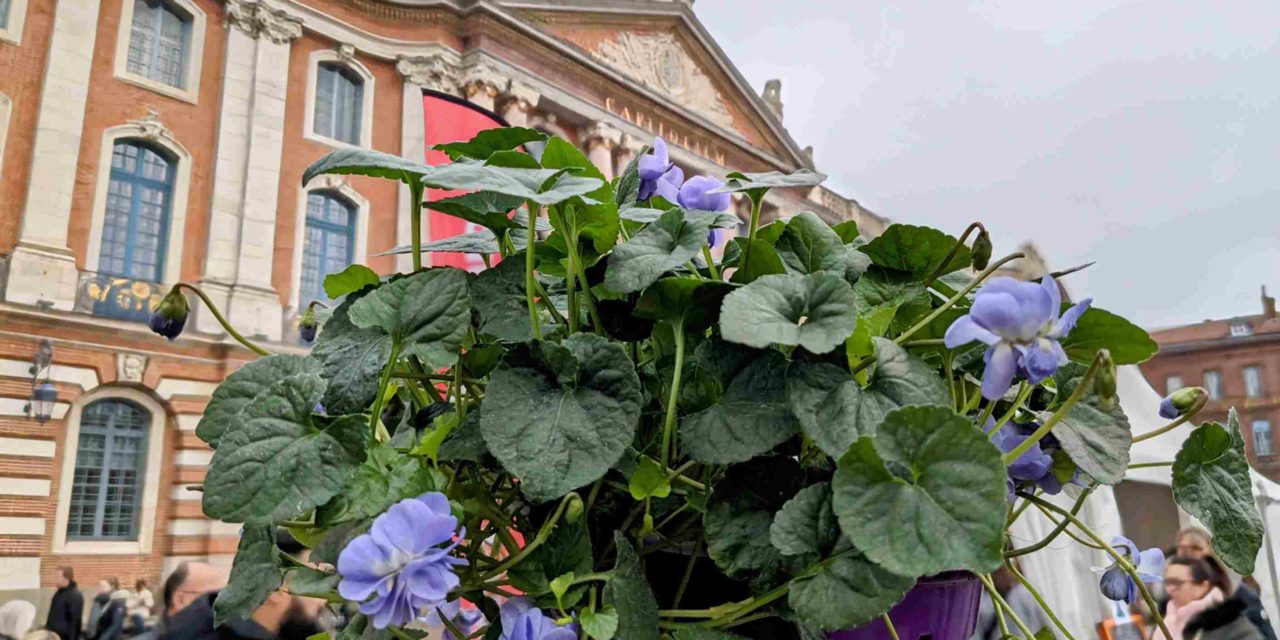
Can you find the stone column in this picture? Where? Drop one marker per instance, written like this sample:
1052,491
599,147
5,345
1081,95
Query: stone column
516,103
601,139
420,73
42,269
242,221
627,151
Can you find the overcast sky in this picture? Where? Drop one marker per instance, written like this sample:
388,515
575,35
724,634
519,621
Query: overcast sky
1143,135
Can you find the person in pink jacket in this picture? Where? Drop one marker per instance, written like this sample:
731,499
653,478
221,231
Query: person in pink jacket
1193,585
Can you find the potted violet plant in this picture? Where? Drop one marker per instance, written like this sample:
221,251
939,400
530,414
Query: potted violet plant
611,433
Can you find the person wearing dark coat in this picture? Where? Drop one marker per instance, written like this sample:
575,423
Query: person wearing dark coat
280,617
1225,621
67,609
1254,611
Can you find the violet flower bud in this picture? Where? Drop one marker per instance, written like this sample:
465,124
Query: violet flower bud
1182,401
170,316
981,249
1104,382
307,324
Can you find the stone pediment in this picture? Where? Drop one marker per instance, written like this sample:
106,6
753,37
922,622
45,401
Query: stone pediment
660,62
662,47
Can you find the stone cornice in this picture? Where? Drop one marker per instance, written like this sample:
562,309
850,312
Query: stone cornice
487,22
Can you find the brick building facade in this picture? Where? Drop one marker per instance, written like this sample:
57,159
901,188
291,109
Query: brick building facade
144,142
1238,361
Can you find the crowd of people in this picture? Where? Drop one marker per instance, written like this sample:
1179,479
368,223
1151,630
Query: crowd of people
186,611
1199,598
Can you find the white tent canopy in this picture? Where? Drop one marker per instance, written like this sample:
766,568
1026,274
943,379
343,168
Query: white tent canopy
1065,572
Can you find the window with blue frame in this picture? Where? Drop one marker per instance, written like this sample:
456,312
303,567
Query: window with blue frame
135,231
339,99
329,242
4,14
158,42
111,461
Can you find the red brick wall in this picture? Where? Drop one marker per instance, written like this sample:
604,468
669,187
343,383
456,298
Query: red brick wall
1229,360
113,102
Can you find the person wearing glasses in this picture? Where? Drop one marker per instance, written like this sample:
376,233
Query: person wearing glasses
1200,603
1194,542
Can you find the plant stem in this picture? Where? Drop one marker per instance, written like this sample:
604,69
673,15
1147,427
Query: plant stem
1000,602
546,302
1004,626
543,534
1054,519
1016,513
1039,599
888,624
955,248
375,415
441,377
530,255
751,232
1024,392
986,415
231,331
1147,465
925,342
711,262
668,425
688,573
1056,531
415,221
986,273
572,291
1076,394
1122,561
590,298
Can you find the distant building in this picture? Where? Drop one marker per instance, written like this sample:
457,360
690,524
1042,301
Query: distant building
143,142
1238,361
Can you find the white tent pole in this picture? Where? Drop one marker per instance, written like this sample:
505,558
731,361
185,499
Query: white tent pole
1264,501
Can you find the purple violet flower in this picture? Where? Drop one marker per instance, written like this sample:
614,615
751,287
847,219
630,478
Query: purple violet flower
713,238
1118,585
1035,465
696,194
403,562
1167,410
522,621
658,175
1021,326
464,619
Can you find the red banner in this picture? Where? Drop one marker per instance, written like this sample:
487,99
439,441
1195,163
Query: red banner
449,119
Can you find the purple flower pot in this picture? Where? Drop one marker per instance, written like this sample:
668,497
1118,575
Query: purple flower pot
941,607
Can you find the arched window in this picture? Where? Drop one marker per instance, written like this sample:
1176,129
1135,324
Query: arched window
339,100
110,462
159,41
135,229
329,241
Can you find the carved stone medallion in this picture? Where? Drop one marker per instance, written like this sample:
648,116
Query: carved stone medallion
130,367
659,62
